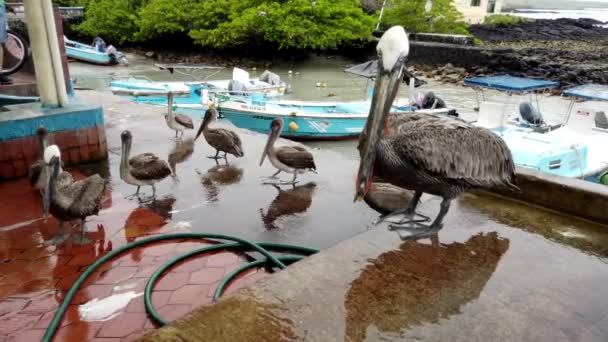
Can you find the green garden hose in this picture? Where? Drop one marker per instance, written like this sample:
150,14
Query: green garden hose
239,244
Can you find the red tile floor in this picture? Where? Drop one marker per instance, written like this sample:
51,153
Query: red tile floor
34,277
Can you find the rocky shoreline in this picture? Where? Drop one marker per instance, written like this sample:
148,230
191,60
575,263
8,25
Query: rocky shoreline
568,51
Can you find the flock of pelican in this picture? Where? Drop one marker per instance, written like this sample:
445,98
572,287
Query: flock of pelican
424,153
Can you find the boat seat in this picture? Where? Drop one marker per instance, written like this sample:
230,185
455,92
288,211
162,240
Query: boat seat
492,115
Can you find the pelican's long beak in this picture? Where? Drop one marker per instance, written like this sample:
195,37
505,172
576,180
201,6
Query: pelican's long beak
268,145
200,129
46,198
385,91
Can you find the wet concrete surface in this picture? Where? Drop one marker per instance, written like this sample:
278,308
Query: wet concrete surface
499,271
499,262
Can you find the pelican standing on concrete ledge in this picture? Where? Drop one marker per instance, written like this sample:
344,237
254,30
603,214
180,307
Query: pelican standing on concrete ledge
289,159
427,153
37,171
221,139
67,200
142,169
177,122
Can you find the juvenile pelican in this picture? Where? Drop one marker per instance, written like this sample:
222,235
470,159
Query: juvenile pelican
37,172
221,139
142,169
428,153
177,122
289,159
68,200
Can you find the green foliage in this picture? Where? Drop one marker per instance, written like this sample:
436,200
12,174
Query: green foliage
163,17
287,24
284,24
503,20
411,14
113,20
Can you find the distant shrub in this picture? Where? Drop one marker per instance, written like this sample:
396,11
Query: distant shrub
443,17
503,20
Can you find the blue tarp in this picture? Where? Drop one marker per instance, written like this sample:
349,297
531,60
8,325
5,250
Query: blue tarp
589,91
510,83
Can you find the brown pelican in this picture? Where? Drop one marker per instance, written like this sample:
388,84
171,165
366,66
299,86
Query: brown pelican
221,139
289,159
142,169
428,153
67,199
37,171
177,122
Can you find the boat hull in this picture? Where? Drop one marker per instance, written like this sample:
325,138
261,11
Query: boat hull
90,56
299,127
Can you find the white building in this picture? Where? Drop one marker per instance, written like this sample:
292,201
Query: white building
474,11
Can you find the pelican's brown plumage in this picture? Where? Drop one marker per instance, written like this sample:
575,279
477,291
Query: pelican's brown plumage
175,121
435,154
289,159
142,169
68,200
221,139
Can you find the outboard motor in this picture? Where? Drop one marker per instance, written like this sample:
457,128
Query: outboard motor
530,114
237,88
271,78
601,121
430,101
99,44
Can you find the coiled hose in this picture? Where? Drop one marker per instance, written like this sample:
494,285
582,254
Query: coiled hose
269,260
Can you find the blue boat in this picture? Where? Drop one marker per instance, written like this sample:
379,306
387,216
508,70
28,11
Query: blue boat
573,148
192,98
303,120
97,53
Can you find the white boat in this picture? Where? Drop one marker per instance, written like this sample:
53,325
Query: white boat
572,148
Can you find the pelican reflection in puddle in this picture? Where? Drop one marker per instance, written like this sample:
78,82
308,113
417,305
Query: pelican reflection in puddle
147,219
294,200
419,284
181,152
220,174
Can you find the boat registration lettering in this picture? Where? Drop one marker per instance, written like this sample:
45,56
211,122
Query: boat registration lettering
263,117
250,107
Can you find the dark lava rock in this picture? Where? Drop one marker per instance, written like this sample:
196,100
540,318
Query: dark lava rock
542,29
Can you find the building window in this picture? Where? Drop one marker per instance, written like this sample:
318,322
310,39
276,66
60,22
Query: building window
491,6
475,3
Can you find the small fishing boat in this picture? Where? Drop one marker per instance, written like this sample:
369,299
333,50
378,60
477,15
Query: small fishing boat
303,120
310,120
97,53
193,97
572,148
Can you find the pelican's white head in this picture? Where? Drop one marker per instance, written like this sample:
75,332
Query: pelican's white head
50,152
393,45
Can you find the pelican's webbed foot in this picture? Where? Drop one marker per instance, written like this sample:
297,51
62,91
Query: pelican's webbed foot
416,230
61,237
409,216
409,232
81,240
58,240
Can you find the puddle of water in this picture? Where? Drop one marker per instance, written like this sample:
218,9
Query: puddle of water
106,308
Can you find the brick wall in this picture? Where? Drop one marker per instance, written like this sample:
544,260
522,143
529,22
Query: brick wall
77,146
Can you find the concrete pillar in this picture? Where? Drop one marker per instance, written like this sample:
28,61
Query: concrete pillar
45,52
64,58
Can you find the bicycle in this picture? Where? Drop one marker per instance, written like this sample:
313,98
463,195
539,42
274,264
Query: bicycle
16,50
16,53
